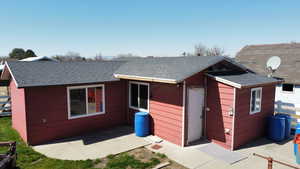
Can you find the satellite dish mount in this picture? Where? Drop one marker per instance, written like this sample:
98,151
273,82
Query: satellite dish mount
272,64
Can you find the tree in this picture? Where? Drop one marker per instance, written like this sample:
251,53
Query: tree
128,56
202,50
215,51
29,53
98,57
69,56
17,53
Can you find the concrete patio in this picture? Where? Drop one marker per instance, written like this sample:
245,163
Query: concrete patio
192,158
93,145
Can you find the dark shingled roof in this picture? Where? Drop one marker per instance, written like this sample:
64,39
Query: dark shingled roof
47,73
242,79
255,57
173,68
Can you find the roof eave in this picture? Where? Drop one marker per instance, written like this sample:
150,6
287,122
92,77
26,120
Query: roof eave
11,74
148,79
240,86
230,83
269,83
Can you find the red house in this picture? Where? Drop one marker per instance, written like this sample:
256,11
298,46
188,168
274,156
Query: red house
188,98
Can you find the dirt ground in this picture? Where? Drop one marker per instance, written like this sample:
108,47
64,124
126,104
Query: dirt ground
145,155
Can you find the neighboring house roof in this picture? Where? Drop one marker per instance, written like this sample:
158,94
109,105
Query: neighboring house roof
29,74
166,69
38,58
31,59
255,57
241,79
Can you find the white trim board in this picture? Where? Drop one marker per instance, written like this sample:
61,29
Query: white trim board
233,119
149,79
6,65
183,113
260,100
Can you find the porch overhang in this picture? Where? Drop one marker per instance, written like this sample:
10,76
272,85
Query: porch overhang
242,80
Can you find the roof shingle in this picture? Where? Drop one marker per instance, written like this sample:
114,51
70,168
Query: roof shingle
242,79
173,68
47,73
255,57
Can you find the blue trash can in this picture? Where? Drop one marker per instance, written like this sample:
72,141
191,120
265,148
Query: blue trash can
276,128
297,132
142,124
288,122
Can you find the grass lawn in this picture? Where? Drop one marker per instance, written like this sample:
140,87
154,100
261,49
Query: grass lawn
30,159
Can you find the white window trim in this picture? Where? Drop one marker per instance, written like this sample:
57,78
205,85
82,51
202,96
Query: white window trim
129,98
288,92
255,89
86,92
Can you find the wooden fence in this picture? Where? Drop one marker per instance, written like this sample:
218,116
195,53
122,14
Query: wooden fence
5,106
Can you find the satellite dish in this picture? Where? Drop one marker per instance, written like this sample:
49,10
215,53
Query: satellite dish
273,63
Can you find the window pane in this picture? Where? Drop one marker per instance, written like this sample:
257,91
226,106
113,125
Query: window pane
134,95
253,97
78,102
95,101
258,100
144,96
288,87
99,99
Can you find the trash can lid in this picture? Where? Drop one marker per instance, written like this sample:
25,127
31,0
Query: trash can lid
283,115
142,113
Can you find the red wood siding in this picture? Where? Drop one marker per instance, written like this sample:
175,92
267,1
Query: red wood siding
47,113
249,127
18,110
195,80
165,110
220,100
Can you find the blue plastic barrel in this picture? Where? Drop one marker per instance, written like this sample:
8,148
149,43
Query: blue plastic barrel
141,124
276,128
297,131
288,122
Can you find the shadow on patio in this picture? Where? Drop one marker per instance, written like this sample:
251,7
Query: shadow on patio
93,145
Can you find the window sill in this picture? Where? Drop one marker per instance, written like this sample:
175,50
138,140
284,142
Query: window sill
85,115
255,112
139,109
287,92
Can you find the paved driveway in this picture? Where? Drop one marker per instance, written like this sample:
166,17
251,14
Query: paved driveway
93,145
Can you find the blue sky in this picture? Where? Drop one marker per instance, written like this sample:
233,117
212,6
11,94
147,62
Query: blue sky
144,27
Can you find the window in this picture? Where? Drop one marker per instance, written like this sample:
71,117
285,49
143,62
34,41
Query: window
287,87
85,101
139,96
255,100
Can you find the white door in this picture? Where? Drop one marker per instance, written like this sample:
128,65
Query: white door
195,99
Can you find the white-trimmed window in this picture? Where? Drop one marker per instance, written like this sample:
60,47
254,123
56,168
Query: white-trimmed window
287,87
255,100
139,96
85,101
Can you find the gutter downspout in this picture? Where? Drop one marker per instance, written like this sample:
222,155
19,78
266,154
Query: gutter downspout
183,114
